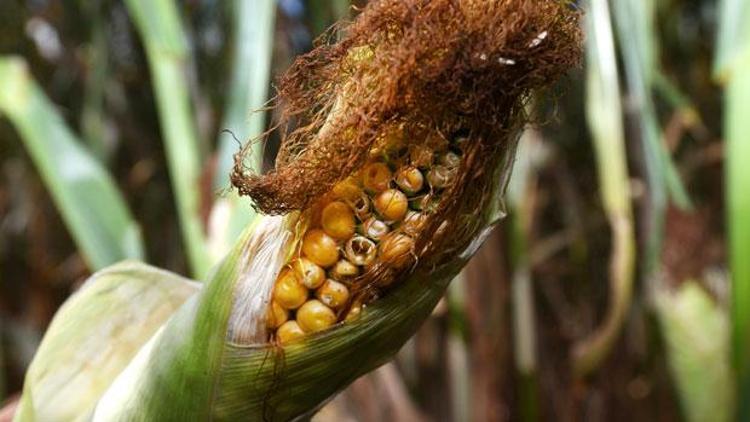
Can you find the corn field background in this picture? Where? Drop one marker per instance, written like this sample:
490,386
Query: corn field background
617,288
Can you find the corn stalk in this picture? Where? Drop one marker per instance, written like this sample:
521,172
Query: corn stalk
732,68
85,194
243,117
158,23
605,122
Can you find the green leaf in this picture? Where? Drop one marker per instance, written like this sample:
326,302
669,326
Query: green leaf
84,192
243,117
696,332
94,336
158,23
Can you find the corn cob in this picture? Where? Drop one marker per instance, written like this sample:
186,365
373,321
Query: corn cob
387,233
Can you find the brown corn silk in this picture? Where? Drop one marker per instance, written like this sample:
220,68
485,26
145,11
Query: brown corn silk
429,71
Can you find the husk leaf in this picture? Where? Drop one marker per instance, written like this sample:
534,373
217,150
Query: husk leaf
94,336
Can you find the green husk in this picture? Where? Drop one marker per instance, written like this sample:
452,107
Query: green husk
192,370
696,333
94,336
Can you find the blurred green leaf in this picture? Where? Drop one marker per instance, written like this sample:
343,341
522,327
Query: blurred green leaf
696,333
634,21
732,67
248,92
95,335
158,23
604,116
84,192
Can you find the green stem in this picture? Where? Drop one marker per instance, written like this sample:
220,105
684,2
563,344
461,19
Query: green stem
159,25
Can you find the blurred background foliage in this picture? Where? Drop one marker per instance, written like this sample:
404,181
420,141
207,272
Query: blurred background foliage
604,296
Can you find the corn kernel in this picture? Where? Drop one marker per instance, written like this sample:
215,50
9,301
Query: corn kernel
347,189
376,177
288,332
413,222
315,316
277,315
375,229
288,292
309,274
392,204
338,220
344,270
451,160
410,180
440,177
332,293
354,312
360,250
396,246
420,155
361,206
320,248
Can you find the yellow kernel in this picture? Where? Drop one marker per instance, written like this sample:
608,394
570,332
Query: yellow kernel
374,228
288,292
277,315
354,312
392,204
396,246
338,220
410,180
320,248
347,190
288,332
309,274
360,250
376,177
332,293
344,270
315,316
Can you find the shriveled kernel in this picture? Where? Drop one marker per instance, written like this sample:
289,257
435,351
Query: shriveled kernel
332,293
361,206
422,202
420,155
315,316
320,248
360,250
277,315
396,246
375,229
338,220
376,177
288,292
309,274
440,177
413,222
344,270
451,160
410,180
288,332
392,204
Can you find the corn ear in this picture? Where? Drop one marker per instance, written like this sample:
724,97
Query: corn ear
94,336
